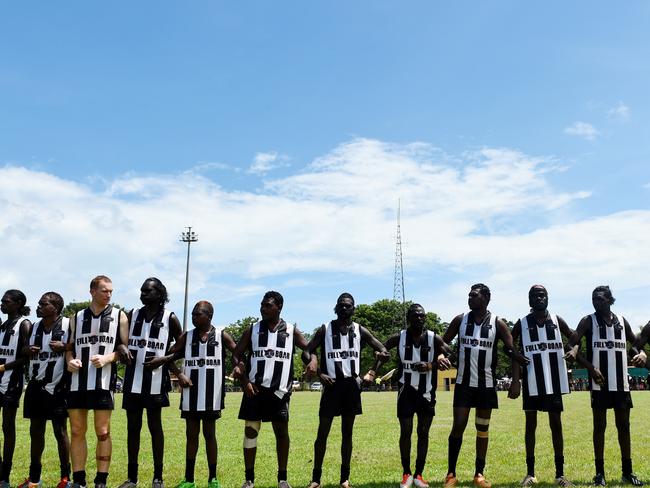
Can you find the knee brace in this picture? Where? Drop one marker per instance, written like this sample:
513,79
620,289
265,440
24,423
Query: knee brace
251,429
482,426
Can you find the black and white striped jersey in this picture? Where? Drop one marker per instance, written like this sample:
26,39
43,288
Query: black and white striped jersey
546,374
410,353
477,352
48,366
203,364
606,350
271,357
9,338
340,352
147,340
95,334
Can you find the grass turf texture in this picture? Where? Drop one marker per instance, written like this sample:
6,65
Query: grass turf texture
375,458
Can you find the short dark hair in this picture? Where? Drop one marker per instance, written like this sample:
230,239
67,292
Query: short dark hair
482,289
275,296
94,283
532,288
413,308
607,291
20,298
345,295
56,299
160,288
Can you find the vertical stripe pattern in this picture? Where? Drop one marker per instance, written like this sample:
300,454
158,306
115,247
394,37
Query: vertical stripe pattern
95,335
48,366
608,354
271,357
9,336
546,373
203,364
476,353
147,340
409,353
340,352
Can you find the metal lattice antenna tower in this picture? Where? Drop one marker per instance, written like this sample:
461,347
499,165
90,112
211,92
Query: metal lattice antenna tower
399,321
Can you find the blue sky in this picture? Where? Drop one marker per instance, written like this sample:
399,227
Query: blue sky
516,136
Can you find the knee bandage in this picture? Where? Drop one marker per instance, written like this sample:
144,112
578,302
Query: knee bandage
251,429
482,426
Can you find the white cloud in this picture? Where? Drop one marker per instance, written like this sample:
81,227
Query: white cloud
490,215
582,129
620,112
267,161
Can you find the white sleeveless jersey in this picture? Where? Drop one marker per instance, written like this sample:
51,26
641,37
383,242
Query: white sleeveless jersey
340,353
409,353
95,335
147,340
271,357
477,353
607,352
9,337
48,366
546,373
203,364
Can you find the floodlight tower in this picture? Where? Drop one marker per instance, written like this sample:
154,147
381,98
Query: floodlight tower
398,283
190,236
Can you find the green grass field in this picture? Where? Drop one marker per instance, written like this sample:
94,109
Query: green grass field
375,460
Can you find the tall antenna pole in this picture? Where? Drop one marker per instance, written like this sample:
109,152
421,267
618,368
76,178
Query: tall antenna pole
398,283
188,237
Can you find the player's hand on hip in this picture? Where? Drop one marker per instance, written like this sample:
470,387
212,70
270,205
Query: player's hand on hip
74,365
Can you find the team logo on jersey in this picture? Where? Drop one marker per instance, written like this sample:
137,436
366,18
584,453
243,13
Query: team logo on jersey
618,326
269,353
201,362
142,343
57,335
610,344
343,354
474,342
43,356
92,340
541,346
213,342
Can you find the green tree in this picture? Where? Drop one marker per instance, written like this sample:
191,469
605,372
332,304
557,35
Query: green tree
383,319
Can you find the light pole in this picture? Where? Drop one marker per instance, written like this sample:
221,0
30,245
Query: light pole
188,237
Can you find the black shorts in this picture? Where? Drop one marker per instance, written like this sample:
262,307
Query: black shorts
265,406
471,397
139,401
211,415
41,404
10,399
91,400
410,402
342,398
544,403
611,399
